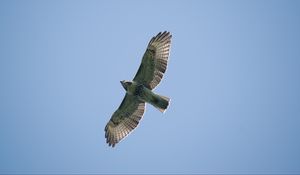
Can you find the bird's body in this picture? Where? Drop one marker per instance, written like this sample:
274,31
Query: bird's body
139,91
146,95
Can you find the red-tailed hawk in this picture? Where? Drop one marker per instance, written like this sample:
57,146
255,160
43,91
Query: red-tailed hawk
139,91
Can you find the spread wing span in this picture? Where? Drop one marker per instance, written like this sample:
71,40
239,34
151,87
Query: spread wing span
155,60
124,120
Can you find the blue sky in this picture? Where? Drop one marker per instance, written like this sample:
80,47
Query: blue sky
233,78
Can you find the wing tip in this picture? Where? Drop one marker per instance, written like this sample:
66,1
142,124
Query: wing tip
115,133
164,37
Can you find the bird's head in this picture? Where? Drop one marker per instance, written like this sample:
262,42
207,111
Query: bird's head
125,84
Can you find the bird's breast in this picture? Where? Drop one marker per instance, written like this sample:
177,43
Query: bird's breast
136,89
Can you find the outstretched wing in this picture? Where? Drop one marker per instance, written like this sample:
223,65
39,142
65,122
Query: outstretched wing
155,60
124,120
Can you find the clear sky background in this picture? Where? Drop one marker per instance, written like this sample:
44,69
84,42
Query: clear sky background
233,78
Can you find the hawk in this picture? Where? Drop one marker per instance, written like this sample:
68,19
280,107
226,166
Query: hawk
139,91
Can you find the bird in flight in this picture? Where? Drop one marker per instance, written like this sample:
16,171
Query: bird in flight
139,91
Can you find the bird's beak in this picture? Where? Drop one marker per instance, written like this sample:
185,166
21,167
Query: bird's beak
122,82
